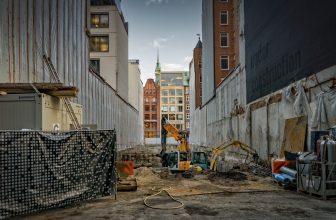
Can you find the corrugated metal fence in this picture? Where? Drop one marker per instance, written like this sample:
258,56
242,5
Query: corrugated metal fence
57,29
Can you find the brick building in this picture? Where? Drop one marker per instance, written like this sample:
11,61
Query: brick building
151,110
226,32
197,62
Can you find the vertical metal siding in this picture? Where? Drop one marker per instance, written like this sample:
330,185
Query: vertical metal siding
29,29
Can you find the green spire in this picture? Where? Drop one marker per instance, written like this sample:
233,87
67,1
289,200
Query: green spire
157,70
158,65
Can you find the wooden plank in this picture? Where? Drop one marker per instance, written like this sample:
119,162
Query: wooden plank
63,93
294,135
54,89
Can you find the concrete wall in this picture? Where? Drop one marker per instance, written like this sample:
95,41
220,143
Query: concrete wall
141,112
122,59
208,76
229,116
263,127
133,81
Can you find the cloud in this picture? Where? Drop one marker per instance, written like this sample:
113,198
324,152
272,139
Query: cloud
173,67
157,2
159,42
153,2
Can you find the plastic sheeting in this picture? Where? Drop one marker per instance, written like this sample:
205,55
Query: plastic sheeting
301,104
324,117
41,170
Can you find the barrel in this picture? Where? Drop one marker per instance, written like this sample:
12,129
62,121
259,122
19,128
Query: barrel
288,171
331,146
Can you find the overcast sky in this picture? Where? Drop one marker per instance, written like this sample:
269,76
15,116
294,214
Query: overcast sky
168,25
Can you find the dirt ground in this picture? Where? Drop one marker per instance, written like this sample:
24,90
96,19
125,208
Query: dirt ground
235,195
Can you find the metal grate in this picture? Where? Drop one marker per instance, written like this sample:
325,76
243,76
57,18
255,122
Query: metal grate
42,170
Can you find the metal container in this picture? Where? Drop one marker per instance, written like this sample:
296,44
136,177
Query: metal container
333,133
288,171
314,137
331,146
323,150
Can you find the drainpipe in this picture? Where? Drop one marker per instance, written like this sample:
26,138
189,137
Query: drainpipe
267,129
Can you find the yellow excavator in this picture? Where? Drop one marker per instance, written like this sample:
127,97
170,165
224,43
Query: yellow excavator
182,159
235,143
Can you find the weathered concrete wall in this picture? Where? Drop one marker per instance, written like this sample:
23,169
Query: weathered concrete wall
260,123
261,127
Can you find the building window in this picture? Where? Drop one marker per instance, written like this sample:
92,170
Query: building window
224,18
99,44
179,92
95,65
224,62
99,20
187,90
147,125
165,92
224,39
172,108
154,99
147,117
188,98
188,106
180,108
179,100
154,117
172,100
165,100
187,125
165,116
179,117
154,125
188,116
172,92
154,108
146,100
172,117
164,108
146,108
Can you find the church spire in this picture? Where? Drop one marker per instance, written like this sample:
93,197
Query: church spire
158,66
158,69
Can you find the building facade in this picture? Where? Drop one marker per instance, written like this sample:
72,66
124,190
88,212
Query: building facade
151,107
109,45
173,98
187,106
220,24
134,82
197,71
226,33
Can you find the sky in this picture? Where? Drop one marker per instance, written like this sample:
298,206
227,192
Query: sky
170,26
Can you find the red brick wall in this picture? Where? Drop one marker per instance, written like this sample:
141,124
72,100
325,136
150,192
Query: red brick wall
232,29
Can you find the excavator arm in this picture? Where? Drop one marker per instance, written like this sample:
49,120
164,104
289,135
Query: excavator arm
218,150
178,136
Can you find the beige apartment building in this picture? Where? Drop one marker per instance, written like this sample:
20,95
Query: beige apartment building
109,46
173,98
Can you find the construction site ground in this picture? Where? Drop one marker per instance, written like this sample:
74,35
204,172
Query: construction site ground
235,195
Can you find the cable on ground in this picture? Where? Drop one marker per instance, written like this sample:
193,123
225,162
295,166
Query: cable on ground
165,190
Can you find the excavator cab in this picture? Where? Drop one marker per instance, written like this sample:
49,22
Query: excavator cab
176,161
180,160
